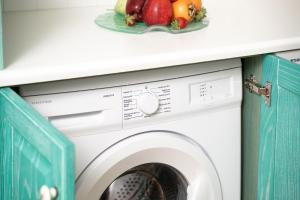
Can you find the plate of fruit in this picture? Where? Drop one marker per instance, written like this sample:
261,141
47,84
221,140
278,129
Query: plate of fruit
141,16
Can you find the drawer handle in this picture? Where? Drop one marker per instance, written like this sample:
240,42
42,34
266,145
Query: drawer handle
48,193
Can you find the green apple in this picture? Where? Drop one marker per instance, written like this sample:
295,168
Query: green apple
120,7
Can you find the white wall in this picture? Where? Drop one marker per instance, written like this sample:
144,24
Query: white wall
10,5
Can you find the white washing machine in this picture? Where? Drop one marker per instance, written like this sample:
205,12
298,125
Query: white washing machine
165,134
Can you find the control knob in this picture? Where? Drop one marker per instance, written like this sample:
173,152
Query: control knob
148,103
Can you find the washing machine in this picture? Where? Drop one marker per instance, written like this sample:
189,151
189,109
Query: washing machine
166,134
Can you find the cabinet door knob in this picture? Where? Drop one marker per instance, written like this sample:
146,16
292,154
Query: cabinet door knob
48,193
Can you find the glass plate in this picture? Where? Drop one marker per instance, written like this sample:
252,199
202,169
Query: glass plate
116,22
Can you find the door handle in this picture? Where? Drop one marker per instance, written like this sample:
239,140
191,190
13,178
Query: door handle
47,193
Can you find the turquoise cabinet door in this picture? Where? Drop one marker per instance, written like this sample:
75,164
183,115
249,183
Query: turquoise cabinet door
271,135
250,130
287,139
33,153
267,131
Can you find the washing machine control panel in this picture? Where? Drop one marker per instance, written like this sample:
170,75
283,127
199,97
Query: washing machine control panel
111,108
145,100
179,97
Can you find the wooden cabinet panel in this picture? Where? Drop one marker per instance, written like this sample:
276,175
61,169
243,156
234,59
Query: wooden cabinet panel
278,136
33,153
250,130
267,131
287,145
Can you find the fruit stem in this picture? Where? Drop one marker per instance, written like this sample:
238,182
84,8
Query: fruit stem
130,20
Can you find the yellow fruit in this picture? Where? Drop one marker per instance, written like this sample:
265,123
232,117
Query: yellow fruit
184,9
197,4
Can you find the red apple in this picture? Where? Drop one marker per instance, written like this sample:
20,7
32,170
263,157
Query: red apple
134,8
157,12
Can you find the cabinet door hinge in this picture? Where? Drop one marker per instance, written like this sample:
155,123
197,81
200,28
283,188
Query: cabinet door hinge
256,88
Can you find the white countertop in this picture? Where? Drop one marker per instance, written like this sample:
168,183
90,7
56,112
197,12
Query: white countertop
65,43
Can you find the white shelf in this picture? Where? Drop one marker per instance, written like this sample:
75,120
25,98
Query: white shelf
65,43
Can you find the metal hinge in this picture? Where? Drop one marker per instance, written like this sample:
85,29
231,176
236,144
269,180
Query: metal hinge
256,88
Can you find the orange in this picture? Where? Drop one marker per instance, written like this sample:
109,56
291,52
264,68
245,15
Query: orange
182,8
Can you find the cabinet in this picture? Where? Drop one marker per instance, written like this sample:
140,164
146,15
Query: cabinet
33,153
44,156
271,134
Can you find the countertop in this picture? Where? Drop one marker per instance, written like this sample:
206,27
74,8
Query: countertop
61,44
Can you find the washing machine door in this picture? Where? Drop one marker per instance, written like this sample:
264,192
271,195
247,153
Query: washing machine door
151,166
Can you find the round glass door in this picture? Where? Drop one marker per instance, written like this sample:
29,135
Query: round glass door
150,166
153,181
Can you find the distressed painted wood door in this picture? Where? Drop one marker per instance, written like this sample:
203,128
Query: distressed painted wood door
287,139
271,135
33,153
279,149
250,130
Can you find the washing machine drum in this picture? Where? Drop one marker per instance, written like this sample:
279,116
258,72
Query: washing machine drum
151,166
147,182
